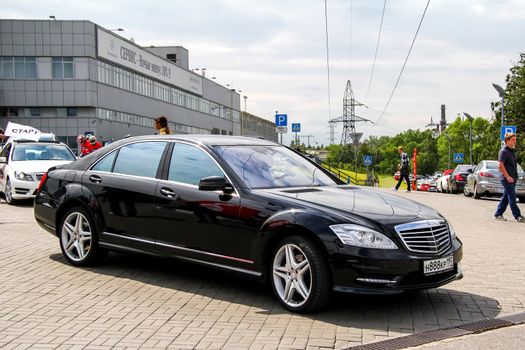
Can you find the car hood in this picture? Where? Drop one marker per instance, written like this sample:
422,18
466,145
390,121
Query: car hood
371,204
36,166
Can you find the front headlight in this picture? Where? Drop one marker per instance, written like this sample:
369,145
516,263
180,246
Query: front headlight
20,175
452,232
360,236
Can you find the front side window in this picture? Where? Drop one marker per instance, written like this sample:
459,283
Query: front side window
272,166
106,163
140,159
62,67
189,164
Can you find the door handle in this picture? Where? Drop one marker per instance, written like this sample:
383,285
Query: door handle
167,192
95,178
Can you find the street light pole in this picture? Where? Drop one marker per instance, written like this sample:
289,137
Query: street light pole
501,93
469,117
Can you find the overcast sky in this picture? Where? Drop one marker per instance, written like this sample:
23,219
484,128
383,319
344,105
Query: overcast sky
275,52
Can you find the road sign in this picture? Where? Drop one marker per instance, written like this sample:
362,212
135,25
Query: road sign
281,129
506,129
367,160
281,119
296,127
459,157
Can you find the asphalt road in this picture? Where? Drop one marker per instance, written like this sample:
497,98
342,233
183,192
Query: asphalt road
135,301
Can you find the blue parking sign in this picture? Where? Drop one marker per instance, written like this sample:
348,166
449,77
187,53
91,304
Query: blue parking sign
507,129
281,120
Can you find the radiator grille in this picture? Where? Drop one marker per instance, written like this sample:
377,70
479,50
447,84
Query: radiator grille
429,236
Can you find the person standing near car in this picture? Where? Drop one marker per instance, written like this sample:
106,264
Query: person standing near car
508,176
161,124
404,169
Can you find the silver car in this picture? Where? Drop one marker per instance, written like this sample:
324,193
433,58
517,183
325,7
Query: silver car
484,181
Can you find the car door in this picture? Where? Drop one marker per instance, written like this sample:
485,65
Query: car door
123,185
203,225
3,166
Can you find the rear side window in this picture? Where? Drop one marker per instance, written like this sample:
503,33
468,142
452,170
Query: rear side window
140,159
189,164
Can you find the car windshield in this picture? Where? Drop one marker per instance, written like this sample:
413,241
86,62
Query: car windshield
272,166
33,151
492,164
464,168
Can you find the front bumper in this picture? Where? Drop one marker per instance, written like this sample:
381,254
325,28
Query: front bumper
23,189
390,271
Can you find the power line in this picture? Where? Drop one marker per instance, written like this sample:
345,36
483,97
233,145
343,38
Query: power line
404,64
327,58
377,49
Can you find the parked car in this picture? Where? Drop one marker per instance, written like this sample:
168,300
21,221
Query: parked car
484,181
24,162
426,184
442,184
458,178
249,206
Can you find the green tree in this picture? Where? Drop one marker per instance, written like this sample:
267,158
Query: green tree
515,104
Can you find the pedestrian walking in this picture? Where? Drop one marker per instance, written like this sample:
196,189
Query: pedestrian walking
161,124
508,176
404,169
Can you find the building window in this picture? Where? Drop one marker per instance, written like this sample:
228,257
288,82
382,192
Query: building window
172,57
62,67
32,112
17,67
71,112
61,112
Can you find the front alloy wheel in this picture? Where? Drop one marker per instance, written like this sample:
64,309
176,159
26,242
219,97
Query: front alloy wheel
300,275
9,192
78,239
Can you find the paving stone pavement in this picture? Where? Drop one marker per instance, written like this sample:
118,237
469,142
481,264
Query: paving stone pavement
133,301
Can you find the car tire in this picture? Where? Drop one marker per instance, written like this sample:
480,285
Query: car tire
476,194
300,275
8,193
78,238
466,192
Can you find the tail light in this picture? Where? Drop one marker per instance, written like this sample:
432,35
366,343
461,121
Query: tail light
485,174
458,177
42,180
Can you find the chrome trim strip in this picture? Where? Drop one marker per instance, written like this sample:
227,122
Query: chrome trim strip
180,248
221,266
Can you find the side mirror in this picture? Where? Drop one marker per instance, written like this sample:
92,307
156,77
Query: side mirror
3,160
215,183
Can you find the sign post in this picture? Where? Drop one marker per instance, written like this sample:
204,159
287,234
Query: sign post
414,180
296,127
281,122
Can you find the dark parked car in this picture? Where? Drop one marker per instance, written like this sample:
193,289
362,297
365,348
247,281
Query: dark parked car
249,206
458,178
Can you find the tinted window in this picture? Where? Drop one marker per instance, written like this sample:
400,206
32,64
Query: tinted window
140,159
189,164
492,165
272,166
106,163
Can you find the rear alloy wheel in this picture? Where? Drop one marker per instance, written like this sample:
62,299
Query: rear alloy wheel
300,275
78,238
466,192
9,193
476,194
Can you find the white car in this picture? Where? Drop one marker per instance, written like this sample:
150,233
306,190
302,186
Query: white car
23,163
442,183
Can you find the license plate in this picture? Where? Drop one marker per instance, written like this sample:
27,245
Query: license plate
438,265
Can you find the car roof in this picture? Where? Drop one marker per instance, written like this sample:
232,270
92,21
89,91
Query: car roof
208,140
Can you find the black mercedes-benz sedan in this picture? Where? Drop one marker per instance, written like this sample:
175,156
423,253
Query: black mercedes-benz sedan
250,206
